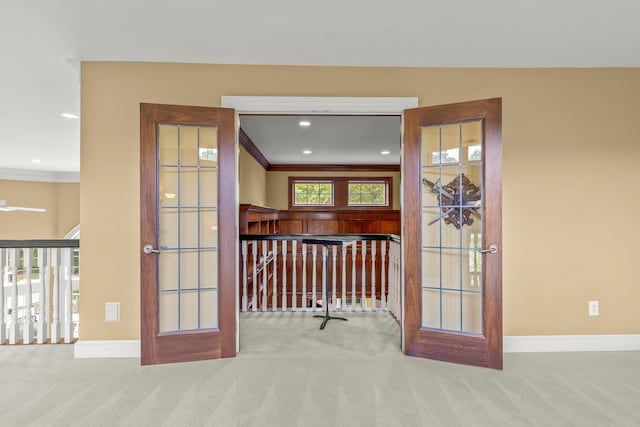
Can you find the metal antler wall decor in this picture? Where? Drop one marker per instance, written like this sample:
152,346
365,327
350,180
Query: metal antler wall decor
460,192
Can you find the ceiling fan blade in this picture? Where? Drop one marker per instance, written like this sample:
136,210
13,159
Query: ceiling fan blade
5,208
19,208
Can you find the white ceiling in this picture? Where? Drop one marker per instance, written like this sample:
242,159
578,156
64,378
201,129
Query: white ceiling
43,41
331,139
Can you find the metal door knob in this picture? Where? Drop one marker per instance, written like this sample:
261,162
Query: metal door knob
148,249
492,249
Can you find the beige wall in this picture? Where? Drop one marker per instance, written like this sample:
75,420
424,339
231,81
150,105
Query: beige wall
252,180
570,176
62,202
278,182
68,208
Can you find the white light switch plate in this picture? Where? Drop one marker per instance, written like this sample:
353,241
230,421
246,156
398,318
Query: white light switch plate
111,311
594,308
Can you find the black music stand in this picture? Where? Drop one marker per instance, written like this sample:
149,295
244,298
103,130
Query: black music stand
326,242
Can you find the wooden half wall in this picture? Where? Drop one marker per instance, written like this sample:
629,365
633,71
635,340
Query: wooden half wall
261,220
339,222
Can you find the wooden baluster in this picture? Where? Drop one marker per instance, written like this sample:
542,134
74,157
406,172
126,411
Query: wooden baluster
354,254
27,323
243,306
3,265
264,303
334,250
14,327
304,276
383,276
274,281
314,255
68,292
363,276
55,323
254,296
294,275
374,245
343,296
284,275
325,259
43,300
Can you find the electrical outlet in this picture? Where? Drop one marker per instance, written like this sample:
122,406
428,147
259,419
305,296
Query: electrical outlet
594,308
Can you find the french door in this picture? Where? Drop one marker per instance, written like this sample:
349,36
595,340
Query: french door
187,250
452,236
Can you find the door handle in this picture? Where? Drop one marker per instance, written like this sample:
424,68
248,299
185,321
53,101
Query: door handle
148,249
492,249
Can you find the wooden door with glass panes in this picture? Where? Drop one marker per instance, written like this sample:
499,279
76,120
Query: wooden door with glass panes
452,232
187,250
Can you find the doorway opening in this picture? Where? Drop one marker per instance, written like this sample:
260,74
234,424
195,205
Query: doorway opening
326,162
319,222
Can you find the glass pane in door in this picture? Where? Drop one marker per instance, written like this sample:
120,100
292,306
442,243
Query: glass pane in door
451,198
188,228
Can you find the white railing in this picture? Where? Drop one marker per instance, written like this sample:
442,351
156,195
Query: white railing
305,273
395,279
39,291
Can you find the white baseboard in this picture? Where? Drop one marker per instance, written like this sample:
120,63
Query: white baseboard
106,349
560,343
84,349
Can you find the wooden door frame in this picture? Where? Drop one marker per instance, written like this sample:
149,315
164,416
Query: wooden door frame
459,347
322,105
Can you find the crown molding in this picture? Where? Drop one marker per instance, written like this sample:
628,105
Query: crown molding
38,176
332,168
247,143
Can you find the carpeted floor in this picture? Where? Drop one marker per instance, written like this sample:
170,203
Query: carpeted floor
289,373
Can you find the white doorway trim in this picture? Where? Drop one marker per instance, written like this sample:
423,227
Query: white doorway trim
357,106
318,105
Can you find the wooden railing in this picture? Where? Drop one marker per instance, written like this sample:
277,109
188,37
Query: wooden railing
39,291
289,272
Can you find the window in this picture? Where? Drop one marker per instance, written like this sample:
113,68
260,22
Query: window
447,156
313,193
474,153
340,193
367,193
210,154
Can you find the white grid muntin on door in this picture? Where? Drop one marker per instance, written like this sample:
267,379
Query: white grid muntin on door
187,227
451,199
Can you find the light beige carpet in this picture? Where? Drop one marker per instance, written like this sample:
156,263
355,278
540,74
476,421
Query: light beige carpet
291,374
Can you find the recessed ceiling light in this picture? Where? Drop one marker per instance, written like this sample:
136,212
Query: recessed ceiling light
304,123
306,151
36,161
385,152
69,115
